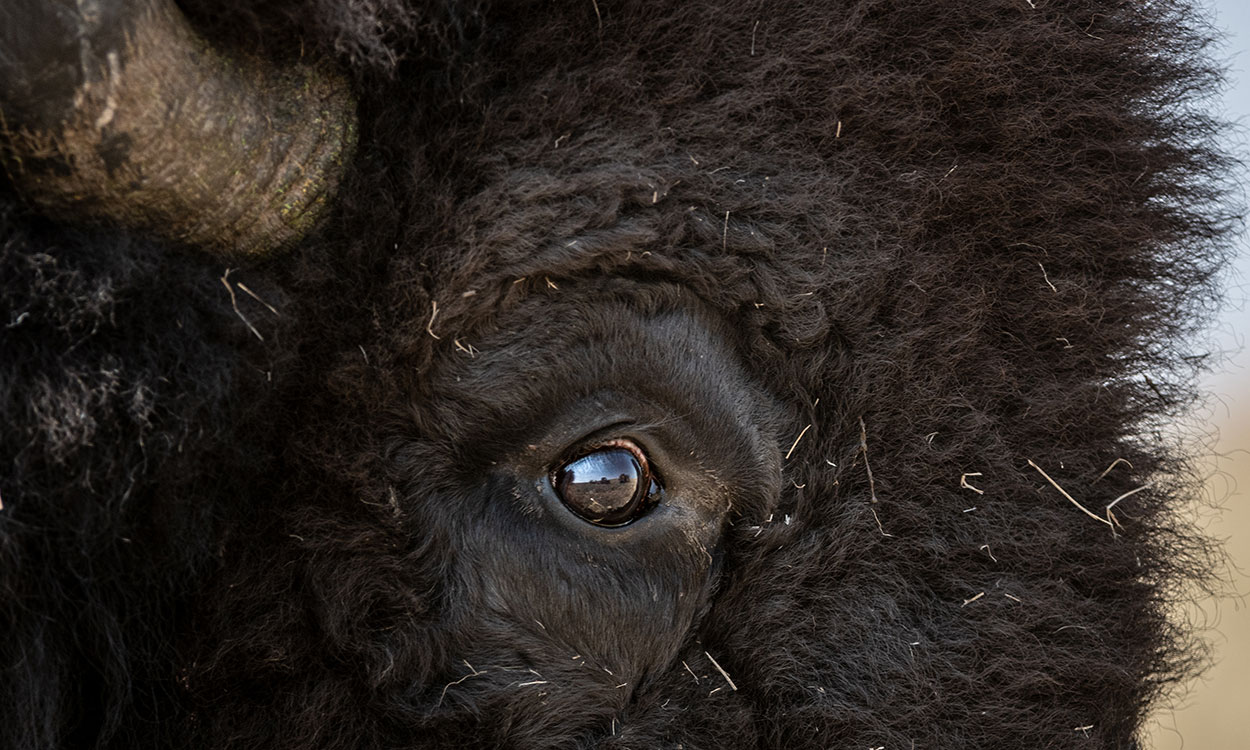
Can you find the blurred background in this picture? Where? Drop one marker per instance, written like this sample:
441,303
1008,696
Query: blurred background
1214,712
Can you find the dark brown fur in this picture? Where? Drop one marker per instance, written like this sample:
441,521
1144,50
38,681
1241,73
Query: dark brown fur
931,239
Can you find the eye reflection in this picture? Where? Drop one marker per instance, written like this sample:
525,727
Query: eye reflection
609,486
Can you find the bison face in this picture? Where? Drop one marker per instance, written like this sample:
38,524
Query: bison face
567,607
481,585
494,458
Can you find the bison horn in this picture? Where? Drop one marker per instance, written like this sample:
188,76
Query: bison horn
117,111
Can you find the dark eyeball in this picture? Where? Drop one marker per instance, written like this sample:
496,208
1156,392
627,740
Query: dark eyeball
611,485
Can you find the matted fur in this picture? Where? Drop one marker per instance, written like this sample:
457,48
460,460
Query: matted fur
942,239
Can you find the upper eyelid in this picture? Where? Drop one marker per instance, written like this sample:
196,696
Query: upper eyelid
625,442
591,441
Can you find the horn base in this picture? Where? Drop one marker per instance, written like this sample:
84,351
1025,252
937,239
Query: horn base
166,134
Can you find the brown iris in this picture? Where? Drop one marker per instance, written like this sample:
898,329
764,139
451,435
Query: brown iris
611,485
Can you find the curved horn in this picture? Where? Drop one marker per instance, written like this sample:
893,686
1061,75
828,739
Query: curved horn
118,111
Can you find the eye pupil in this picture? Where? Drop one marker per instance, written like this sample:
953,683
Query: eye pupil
608,486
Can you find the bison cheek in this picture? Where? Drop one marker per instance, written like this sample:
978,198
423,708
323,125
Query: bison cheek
597,615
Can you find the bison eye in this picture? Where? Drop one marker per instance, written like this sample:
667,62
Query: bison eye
611,485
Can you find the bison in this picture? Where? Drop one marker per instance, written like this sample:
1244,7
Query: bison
600,373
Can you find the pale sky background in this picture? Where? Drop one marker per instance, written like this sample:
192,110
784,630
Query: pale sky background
1215,711
1233,18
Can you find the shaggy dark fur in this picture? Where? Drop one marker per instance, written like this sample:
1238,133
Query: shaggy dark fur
829,262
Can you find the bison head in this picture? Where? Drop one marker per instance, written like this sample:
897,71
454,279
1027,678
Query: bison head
723,375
